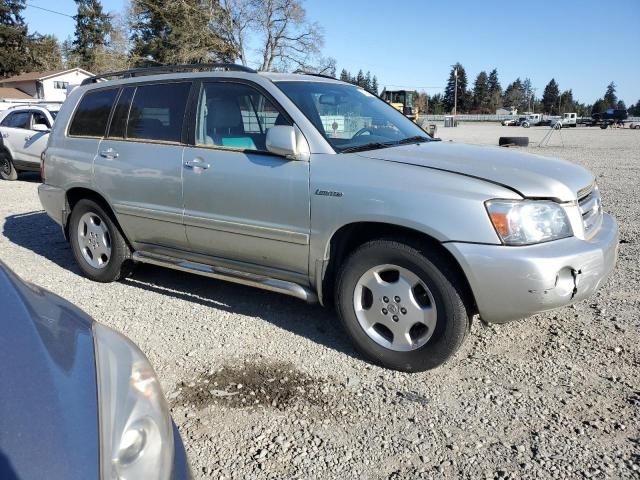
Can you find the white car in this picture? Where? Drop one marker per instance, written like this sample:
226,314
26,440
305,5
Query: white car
24,131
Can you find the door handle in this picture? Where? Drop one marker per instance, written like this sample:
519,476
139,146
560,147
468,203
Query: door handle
197,164
109,154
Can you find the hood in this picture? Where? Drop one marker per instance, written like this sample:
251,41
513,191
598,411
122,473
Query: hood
48,396
529,175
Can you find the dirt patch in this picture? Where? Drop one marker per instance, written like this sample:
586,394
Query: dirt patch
274,385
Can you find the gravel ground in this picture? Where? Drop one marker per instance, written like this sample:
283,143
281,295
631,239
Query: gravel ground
265,386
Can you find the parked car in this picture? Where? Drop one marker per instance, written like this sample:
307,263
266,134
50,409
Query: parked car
315,188
24,131
509,122
77,399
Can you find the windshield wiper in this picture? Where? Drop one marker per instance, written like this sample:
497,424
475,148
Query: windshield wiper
416,139
366,146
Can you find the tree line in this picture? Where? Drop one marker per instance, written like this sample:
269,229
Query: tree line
361,79
487,95
157,32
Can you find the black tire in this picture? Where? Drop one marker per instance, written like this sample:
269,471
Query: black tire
444,283
7,169
604,126
119,264
513,141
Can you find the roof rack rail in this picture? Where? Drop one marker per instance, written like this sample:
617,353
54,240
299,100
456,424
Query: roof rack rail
313,74
139,72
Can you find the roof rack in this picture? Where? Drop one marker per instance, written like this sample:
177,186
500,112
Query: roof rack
303,72
139,72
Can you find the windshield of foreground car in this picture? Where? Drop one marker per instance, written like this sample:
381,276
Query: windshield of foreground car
350,118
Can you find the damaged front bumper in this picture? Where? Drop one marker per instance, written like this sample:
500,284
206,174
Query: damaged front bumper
509,283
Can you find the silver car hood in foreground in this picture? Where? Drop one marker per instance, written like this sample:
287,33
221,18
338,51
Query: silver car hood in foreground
530,175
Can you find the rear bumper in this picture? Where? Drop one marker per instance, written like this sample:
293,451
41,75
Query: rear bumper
509,283
54,203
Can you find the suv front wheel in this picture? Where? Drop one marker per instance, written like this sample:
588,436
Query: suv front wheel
97,244
402,305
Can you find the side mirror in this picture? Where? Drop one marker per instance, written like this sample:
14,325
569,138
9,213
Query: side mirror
39,127
281,140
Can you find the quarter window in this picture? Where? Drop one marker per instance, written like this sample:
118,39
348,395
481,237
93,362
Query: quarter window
235,116
40,119
90,119
17,120
157,112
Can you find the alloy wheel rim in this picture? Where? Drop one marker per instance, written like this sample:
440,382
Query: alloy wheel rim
94,240
395,308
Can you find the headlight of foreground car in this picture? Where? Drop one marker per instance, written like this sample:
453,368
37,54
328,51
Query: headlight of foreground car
136,433
524,222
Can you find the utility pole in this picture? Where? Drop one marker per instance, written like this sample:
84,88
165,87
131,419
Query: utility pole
455,98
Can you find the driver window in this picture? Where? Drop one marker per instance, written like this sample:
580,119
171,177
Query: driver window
40,119
235,116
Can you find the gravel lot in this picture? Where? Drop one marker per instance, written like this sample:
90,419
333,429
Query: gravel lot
265,386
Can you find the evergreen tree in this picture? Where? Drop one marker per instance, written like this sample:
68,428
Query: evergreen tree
367,82
550,97
93,27
462,94
13,38
374,85
495,91
634,110
436,104
345,76
567,104
621,105
514,95
360,78
610,97
44,51
481,92
599,106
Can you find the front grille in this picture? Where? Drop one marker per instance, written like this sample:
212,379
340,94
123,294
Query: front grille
591,210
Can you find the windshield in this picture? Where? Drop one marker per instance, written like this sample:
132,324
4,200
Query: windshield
350,118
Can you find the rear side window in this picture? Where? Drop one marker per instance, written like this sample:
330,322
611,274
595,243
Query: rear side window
157,112
17,120
90,119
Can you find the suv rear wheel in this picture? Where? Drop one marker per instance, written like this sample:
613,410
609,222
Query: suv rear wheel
402,305
7,170
97,244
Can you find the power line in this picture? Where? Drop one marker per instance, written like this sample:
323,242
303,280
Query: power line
47,10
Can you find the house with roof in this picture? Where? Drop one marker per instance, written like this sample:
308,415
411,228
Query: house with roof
48,86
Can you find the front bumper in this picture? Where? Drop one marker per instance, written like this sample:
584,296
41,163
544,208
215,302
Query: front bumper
509,283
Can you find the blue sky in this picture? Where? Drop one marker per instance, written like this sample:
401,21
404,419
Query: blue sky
414,44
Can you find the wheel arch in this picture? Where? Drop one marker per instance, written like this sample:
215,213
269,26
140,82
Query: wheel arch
349,237
75,194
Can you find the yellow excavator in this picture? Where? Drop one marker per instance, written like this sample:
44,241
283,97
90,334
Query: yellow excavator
401,100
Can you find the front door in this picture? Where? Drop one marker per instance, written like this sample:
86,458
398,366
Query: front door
139,163
240,202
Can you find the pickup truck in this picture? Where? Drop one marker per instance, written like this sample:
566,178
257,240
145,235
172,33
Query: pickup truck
24,131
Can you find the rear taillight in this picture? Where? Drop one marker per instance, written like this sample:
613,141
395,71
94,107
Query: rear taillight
42,155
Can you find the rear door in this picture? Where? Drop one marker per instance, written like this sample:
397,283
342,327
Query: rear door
139,163
241,202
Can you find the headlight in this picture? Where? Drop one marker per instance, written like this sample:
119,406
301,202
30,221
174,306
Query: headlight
136,432
523,222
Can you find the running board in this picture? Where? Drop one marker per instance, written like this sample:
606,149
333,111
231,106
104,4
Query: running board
222,273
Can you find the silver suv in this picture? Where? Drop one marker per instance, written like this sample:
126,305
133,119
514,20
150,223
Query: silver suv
315,188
